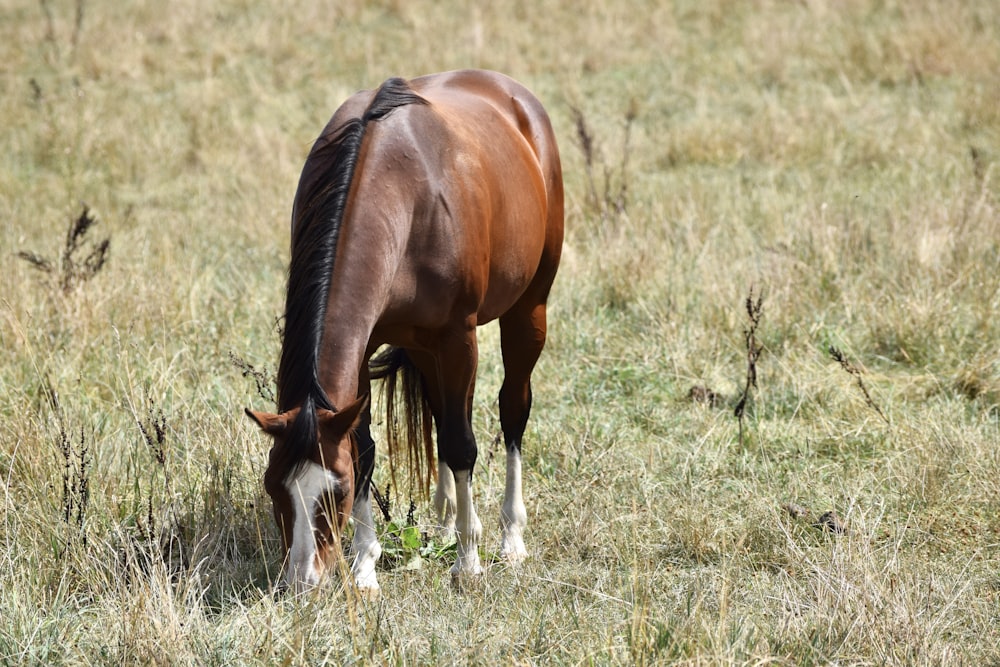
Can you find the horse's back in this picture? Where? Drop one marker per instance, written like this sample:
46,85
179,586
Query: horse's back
470,187
509,98
514,177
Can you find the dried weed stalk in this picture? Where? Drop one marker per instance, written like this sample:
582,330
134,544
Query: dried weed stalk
263,378
613,200
76,265
50,28
75,484
382,500
754,313
154,433
853,370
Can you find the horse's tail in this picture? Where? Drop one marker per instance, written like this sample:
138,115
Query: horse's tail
404,391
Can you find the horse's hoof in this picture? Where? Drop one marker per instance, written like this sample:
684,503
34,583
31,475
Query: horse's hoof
466,578
512,550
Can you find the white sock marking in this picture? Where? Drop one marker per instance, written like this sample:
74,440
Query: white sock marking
306,489
444,501
468,527
365,549
513,515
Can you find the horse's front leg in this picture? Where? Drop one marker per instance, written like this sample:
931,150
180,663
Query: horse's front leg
365,549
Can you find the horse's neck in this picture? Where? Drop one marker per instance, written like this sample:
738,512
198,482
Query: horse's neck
340,359
351,316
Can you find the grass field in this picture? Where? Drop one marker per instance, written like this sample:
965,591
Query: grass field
836,160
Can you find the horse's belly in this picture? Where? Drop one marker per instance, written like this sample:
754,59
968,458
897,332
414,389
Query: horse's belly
506,285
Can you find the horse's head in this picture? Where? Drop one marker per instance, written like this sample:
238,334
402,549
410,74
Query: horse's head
311,486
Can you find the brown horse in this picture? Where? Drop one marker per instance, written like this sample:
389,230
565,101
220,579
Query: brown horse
425,208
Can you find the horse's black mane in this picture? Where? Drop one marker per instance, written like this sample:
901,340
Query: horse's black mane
320,210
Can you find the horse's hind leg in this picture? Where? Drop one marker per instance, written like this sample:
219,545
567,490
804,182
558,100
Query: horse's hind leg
522,337
455,370
444,495
444,501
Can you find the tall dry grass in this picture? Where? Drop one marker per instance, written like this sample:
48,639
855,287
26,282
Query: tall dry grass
840,158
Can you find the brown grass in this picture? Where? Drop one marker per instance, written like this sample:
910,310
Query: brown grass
841,157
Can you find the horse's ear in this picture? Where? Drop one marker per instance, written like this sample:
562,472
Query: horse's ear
344,420
270,423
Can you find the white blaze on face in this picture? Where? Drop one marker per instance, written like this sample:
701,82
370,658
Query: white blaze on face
306,489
